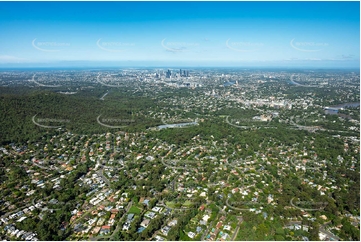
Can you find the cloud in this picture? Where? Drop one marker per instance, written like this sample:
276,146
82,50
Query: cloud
11,59
346,57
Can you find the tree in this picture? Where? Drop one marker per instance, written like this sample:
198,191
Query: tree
314,232
279,237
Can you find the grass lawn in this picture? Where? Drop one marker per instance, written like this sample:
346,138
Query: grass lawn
170,204
187,203
135,210
184,237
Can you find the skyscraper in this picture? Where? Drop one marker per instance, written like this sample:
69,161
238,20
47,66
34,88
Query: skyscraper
168,74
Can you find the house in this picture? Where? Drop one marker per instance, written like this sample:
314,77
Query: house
205,218
108,208
140,229
101,207
96,230
158,238
234,190
172,223
105,229
165,230
86,230
130,217
191,235
322,236
21,232
219,225
21,219
227,227
92,221
114,211
150,215
156,209
101,221
225,236
111,222
167,211
145,223
126,226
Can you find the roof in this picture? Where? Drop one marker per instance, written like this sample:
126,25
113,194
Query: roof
219,225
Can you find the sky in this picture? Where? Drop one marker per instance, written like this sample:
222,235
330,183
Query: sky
279,34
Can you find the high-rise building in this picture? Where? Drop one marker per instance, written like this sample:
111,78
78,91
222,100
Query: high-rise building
168,74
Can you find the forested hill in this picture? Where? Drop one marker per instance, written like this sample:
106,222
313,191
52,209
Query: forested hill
76,113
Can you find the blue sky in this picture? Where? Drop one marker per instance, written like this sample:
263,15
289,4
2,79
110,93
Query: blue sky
290,34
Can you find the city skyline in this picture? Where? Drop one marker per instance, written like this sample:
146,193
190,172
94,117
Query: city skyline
180,34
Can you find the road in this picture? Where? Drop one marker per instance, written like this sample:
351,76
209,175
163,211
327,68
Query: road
180,167
102,98
105,203
100,173
240,219
21,208
110,237
308,128
322,229
221,211
45,168
14,211
208,228
118,226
